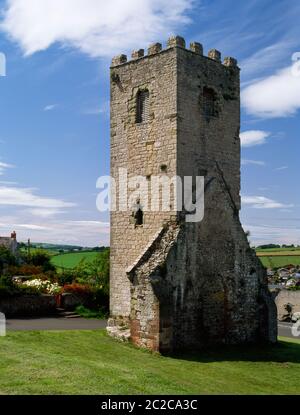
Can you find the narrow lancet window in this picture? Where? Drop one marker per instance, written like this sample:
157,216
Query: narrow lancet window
142,107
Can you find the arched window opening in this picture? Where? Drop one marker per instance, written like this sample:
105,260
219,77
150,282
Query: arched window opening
142,107
138,214
209,98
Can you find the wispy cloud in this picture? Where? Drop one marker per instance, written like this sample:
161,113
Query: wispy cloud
281,168
50,107
253,138
91,223
4,166
245,162
78,232
260,234
266,59
16,196
45,212
96,27
31,227
97,110
262,202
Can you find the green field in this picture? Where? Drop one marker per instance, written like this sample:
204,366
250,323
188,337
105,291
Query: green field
89,362
279,261
279,257
281,250
71,260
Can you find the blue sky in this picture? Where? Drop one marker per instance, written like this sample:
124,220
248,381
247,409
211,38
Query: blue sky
54,106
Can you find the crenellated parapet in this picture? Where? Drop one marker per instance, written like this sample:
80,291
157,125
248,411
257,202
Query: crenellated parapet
175,42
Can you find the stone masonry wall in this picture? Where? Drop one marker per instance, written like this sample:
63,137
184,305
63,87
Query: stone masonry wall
176,284
142,149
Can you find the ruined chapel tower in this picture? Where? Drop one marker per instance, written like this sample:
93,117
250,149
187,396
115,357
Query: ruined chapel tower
174,284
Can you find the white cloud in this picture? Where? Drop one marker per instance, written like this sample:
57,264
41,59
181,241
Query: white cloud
261,234
275,96
91,223
261,202
96,27
4,166
44,212
31,227
15,196
50,107
253,138
281,168
78,232
103,109
245,162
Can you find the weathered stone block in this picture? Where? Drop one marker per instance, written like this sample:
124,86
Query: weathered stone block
154,48
215,55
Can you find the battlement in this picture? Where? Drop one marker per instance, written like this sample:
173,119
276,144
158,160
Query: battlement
174,42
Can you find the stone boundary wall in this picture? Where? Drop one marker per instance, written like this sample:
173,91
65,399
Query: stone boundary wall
28,305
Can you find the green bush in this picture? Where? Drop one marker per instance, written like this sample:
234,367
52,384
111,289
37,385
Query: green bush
10,289
101,313
96,272
6,259
65,277
41,258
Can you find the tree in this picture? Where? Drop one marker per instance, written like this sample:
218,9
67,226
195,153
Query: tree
6,258
95,272
41,258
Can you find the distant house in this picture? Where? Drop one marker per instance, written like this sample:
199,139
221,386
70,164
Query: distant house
284,273
10,242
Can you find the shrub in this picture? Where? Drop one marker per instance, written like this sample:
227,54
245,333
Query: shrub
87,313
7,287
42,286
93,297
96,272
65,277
26,270
78,289
41,258
6,258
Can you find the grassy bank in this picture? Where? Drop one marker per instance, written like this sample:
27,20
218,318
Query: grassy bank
78,362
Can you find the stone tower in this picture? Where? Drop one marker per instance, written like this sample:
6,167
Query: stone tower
175,284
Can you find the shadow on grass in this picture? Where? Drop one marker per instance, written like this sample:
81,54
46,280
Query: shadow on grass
282,352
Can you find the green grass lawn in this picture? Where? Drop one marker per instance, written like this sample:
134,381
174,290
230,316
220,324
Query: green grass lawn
89,362
71,260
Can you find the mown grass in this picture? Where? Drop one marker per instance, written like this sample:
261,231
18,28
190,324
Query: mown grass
71,260
89,362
